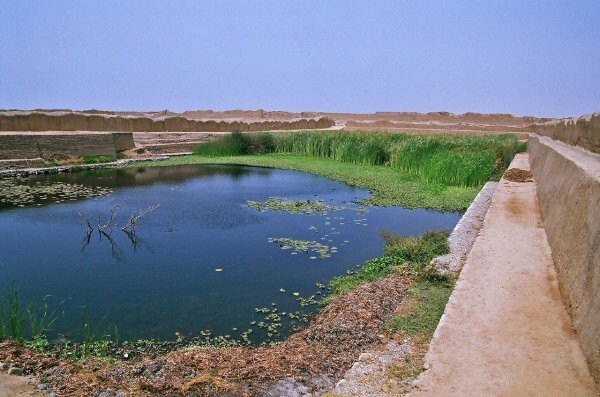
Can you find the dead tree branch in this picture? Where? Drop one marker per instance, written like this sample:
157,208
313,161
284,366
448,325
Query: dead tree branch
135,217
108,225
88,226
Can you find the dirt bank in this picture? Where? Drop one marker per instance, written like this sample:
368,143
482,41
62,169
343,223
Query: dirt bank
349,324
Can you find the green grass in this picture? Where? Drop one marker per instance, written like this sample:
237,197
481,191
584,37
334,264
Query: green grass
99,159
388,186
430,290
430,299
417,251
19,322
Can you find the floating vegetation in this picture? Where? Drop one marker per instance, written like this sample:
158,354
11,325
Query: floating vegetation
293,206
305,246
17,192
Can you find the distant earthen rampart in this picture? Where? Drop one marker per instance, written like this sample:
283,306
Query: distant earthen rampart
71,121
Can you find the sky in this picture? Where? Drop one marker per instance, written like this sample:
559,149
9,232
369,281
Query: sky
525,57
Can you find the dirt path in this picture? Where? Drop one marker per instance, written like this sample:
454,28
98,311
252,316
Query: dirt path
18,386
506,331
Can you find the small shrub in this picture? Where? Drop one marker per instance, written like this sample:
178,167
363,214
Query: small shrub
238,144
417,250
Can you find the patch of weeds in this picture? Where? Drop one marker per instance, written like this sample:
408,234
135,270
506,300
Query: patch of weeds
413,253
98,159
19,322
293,206
408,369
237,144
430,296
419,250
372,270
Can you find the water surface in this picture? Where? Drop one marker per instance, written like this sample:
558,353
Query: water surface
165,281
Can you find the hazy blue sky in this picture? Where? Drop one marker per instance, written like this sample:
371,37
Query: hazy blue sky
524,57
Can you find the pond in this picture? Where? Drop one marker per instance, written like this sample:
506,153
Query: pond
203,260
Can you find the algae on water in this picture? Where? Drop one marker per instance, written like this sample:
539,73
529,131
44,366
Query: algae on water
13,191
293,206
304,246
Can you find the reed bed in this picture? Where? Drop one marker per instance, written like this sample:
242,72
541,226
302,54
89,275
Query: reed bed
452,160
467,161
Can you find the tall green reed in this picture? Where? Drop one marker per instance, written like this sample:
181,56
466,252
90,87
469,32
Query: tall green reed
465,160
18,321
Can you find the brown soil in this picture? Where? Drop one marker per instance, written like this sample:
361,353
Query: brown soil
334,339
518,175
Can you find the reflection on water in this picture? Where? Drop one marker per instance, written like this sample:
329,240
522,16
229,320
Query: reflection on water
202,260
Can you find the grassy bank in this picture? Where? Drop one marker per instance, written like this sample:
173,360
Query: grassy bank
389,186
439,172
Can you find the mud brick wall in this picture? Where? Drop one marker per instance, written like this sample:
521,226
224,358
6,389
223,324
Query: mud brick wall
568,188
582,131
46,146
90,122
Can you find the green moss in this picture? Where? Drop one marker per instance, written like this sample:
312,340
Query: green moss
388,185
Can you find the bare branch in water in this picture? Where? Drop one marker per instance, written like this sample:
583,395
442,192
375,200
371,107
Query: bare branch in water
135,217
88,226
108,225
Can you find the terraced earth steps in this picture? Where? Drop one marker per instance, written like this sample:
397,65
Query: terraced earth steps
172,142
14,164
505,331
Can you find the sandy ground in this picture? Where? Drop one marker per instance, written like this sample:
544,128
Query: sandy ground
505,331
18,386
